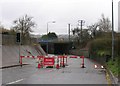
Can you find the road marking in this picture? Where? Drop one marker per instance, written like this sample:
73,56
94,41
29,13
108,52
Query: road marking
15,81
108,79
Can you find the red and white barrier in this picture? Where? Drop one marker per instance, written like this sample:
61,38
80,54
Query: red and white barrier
44,61
63,60
73,56
29,57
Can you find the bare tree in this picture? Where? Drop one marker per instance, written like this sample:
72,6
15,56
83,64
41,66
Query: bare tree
24,25
76,33
104,24
93,30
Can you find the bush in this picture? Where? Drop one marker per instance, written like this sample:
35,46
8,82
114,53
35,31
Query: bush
100,47
114,66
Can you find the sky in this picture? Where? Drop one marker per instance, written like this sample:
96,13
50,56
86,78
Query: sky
62,12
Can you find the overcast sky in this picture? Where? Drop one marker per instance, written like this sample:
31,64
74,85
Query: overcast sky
61,11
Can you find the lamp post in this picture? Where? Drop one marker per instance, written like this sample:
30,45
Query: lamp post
47,34
112,33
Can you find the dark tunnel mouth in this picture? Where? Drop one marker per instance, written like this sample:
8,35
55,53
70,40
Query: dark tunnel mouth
58,48
61,48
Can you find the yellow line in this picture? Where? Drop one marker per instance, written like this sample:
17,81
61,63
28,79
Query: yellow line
108,78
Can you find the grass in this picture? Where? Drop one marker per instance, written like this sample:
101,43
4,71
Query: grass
114,66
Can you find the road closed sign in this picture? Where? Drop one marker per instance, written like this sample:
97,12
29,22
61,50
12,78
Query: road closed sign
48,61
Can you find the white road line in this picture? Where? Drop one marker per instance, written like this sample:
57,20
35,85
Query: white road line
15,81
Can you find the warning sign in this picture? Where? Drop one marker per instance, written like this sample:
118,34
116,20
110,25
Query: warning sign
48,61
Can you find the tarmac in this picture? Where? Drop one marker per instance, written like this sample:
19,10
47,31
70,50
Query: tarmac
9,57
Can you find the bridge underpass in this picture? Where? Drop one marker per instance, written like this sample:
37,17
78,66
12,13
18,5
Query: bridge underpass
57,47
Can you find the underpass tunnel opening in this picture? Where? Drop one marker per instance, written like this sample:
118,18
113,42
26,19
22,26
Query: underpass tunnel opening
61,48
44,47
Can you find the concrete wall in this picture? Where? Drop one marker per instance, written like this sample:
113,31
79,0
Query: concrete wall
8,39
10,54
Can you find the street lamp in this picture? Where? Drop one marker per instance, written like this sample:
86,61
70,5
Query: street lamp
48,23
112,32
47,34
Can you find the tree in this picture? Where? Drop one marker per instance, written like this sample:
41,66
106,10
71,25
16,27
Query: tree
100,27
52,35
104,24
85,36
93,30
24,25
76,32
49,36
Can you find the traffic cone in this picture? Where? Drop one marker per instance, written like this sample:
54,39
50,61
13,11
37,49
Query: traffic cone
39,66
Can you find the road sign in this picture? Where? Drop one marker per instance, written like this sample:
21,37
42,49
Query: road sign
49,61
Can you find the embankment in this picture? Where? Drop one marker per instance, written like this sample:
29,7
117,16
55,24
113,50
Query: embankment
10,54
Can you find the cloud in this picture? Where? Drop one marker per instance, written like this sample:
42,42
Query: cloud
62,11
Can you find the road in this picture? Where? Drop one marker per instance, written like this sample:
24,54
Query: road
71,74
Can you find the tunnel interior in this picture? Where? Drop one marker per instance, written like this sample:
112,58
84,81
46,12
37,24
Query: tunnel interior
61,48
57,48
44,47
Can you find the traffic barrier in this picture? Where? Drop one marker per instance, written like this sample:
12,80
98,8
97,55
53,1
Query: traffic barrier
44,61
39,65
73,56
49,62
40,56
29,57
21,59
82,65
40,61
57,66
66,58
63,61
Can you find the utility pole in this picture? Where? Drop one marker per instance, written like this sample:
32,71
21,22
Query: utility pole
112,32
81,23
69,31
47,46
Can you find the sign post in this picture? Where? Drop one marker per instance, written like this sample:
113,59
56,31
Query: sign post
18,40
